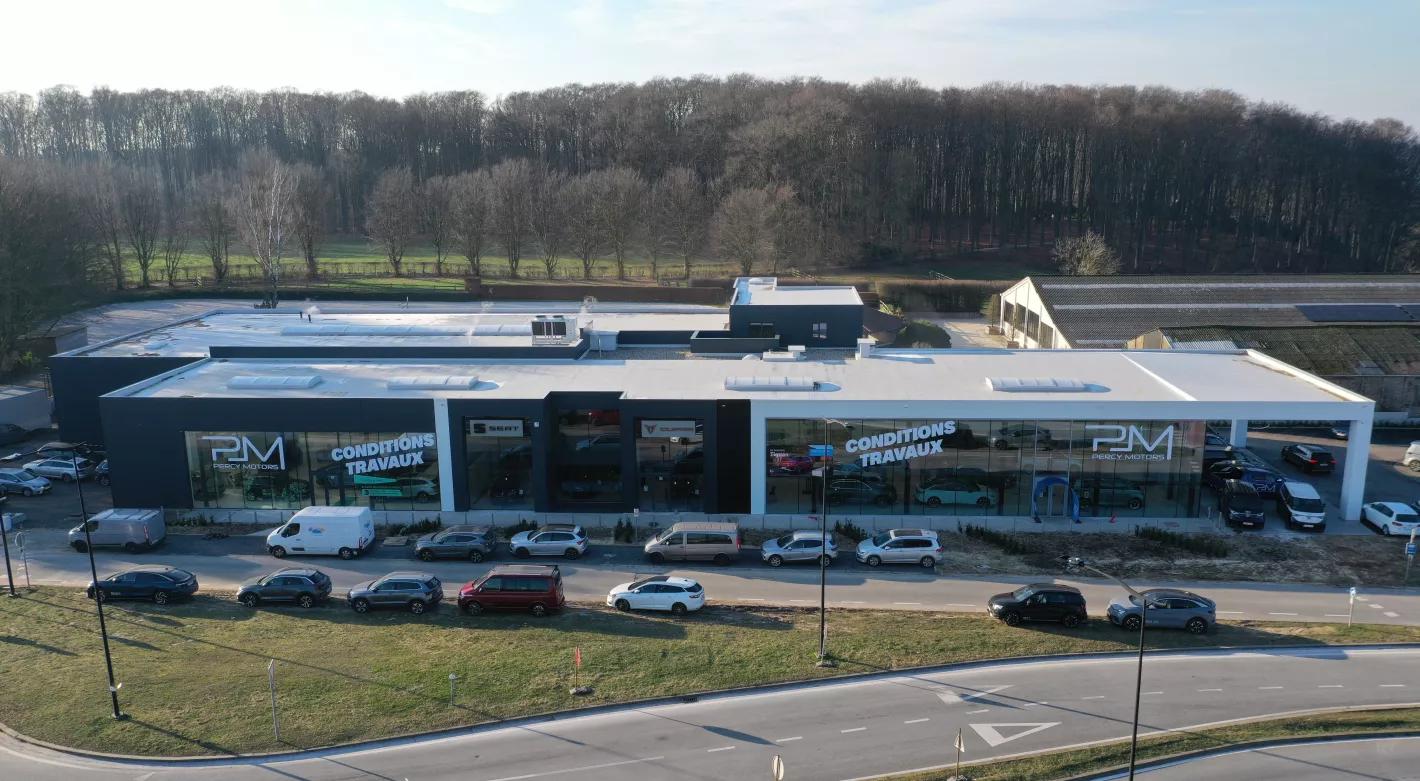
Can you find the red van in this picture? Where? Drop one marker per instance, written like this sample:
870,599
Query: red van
536,588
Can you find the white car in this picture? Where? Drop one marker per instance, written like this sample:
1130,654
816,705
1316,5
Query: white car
22,481
62,468
564,540
661,592
901,546
1391,517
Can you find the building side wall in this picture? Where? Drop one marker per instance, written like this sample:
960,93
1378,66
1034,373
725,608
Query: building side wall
79,380
794,324
1016,326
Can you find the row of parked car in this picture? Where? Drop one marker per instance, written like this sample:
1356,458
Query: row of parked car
1244,484
1164,608
50,462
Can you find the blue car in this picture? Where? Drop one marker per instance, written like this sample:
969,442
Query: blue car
1263,479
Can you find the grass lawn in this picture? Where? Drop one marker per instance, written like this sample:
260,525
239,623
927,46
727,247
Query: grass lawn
1067,764
194,674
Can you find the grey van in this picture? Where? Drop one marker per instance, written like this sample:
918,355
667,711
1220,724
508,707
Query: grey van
131,530
696,541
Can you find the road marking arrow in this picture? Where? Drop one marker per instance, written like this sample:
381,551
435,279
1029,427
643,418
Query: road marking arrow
991,733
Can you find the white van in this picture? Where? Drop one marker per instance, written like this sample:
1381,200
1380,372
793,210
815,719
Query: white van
1301,506
324,531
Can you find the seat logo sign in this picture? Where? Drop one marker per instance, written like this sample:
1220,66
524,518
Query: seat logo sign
241,453
1128,443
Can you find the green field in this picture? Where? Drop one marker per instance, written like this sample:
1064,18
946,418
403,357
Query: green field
194,674
356,256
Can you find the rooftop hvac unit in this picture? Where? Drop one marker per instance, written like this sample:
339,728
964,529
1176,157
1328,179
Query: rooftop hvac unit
274,382
603,341
433,382
554,329
770,384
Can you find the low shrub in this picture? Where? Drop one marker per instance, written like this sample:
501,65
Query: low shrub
521,526
850,530
920,333
1201,545
1009,543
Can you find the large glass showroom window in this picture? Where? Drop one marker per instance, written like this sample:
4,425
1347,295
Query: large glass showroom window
499,456
588,456
289,470
670,464
1033,468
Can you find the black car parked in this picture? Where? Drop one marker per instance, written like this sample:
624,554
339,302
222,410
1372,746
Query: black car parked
1240,504
304,587
160,584
860,492
1309,458
1039,602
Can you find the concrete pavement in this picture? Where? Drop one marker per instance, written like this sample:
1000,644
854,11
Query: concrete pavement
1383,759
838,730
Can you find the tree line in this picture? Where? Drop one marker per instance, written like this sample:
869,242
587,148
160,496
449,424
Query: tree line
767,174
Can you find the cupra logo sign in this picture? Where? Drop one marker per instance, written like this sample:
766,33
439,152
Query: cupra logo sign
1125,439
238,451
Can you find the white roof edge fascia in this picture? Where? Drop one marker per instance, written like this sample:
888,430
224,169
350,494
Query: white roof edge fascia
1307,377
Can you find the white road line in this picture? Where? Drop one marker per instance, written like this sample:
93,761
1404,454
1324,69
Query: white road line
578,769
1153,692
722,748
755,599
1210,690
1391,614
1337,615
801,600
1330,686
959,604
1271,687
915,721
1377,607
1230,612
974,712
907,603
788,740
854,729
852,602
1281,614
1094,697
1392,686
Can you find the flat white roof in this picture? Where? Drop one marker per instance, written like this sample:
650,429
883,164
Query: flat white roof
766,291
1110,377
238,328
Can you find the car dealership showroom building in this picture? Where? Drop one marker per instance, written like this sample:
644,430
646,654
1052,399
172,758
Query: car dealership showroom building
594,417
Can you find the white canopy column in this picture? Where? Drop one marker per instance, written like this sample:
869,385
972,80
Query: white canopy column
1353,478
1237,435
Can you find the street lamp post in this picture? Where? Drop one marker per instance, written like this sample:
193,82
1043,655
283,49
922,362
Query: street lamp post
94,574
5,538
1143,602
823,660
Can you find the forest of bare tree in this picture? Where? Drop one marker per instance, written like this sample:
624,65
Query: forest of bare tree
827,173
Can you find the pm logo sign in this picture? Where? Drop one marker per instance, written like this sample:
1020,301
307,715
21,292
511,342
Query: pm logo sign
239,452
1128,443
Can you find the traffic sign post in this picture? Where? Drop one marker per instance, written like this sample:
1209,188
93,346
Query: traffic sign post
1351,613
961,746
271,682
1409,558
778,768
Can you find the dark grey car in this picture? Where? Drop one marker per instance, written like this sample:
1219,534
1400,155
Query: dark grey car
1168,609
474,543
415,591
304,587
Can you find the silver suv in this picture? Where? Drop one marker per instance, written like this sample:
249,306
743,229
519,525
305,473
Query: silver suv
799,546
474,543
901,546
1168,608
555,539
416,591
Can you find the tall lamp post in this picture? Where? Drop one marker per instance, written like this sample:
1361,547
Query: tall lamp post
5,538
1075,562
94,573
823,660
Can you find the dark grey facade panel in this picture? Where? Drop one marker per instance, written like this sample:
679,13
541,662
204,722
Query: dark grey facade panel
722,342
386,352
79,380
731,461
795,324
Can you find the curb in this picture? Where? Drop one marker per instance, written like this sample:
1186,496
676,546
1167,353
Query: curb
714,694
1171,760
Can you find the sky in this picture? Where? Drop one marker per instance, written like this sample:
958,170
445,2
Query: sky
1343,58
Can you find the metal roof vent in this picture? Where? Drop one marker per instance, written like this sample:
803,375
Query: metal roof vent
771,384
433,382
1039,385
275,382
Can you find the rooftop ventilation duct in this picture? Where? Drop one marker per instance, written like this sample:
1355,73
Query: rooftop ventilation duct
1038,385
275,382
433,382
770,384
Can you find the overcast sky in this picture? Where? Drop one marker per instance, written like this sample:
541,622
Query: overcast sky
1351,58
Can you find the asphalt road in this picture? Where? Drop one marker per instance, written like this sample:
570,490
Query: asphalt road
843,730
222,565
1389,759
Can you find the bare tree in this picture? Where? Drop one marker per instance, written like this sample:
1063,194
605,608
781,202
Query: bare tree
511,208
624,205
548,223
173,241
436,201
393,218
105,222
212,219
742,231
790,233
585,219
677,218
309,204
261,204
140,204
1087,256
470,217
